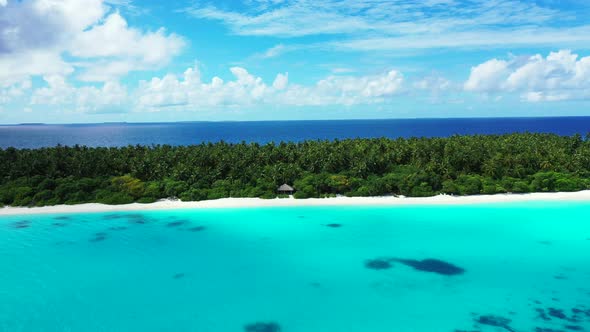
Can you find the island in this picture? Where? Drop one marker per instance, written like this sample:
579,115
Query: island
412,167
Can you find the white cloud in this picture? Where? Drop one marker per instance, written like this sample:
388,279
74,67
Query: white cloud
58,92
20,66
105,70
37,36
10,92
433,83
560,76
370,25
191,93
289,21
342,70
45,24
274,51
111,97
133,49
437,85
488,76
345,90
72,15
536,97
300,17
3,3
476,38
282,49
281,81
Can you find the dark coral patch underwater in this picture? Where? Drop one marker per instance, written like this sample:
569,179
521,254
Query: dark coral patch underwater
557,313
177,223
137,219
567,327
112,216
432,265
378,264
554,319
554,316
497,321
425,265
101,236
541,314
576,316
197,229
262,327
21,224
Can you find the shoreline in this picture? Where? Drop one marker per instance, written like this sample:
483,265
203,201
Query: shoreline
169,204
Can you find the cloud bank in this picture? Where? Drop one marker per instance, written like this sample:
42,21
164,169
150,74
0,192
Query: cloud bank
191,92
559,76
51,37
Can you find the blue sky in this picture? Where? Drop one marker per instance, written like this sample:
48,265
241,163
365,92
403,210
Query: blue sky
71,61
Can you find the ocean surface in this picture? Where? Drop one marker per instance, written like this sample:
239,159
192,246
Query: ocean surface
496,267
187,133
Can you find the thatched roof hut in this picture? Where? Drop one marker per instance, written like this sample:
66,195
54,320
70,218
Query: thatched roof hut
285,189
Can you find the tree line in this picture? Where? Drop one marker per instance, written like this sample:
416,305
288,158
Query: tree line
458,165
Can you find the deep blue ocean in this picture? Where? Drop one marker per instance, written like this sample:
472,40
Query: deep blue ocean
187,133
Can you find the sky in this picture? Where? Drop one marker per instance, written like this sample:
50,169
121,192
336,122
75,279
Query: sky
89,61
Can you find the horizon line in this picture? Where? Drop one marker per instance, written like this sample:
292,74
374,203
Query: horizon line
288,120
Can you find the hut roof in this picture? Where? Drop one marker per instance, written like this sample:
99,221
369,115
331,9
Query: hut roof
286,187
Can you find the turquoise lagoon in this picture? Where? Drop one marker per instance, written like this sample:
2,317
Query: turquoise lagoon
526,268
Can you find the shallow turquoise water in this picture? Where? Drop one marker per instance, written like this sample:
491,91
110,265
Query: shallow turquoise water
155,271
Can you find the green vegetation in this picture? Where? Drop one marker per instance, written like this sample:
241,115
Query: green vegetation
459,165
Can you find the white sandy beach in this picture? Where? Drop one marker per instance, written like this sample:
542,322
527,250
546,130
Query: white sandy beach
286,202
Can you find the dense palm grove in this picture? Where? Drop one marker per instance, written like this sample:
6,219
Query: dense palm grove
459,165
